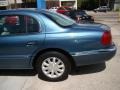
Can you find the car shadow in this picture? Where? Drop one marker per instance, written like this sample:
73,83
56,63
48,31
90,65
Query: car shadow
18,72
78,71
89,69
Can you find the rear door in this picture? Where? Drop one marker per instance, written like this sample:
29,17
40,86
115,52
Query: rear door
20,36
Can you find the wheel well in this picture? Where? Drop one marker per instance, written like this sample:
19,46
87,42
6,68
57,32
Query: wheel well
72,63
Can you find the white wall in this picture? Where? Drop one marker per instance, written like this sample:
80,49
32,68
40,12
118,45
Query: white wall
117,4
75,5
13,1
3,3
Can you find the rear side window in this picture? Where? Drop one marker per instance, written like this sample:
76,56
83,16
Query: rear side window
17,24
59,19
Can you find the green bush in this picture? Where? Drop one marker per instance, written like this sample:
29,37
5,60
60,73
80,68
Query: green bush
118,9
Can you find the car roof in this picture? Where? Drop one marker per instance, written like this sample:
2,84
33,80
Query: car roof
22,11
16,10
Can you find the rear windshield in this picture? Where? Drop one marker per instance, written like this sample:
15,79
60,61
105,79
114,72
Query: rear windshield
59,19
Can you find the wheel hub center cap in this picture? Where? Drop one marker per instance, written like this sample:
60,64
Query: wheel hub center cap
53,67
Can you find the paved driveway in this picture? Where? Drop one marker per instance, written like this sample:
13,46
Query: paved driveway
96,77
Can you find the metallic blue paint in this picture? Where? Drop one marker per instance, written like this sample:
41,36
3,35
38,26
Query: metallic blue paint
82,42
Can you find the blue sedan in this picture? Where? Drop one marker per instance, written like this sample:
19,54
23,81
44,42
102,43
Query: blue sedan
51,43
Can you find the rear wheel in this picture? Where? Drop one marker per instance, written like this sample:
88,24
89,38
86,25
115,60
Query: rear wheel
53,66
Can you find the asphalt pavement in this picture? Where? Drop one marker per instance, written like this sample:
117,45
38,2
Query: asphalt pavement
105,76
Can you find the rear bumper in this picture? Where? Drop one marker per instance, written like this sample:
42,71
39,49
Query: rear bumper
94,56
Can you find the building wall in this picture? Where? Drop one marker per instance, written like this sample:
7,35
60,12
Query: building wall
8,4
13,1
52,3
117,4
37,3
59,3
72,3
3,4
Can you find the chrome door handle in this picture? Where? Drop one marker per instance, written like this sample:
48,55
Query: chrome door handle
30,44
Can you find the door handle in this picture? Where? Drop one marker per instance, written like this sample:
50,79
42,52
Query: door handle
30,44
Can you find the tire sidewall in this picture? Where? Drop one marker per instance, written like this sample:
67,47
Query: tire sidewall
58,55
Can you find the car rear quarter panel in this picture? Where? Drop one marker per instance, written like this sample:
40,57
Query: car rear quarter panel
71,39
74,41
78,39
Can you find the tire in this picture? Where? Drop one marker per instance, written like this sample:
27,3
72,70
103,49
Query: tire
47,66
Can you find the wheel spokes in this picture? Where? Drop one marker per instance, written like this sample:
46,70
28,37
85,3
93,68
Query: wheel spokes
53,67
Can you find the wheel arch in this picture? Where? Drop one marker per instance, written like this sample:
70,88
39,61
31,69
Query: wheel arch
70,58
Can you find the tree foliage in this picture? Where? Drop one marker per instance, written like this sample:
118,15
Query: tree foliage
87,4
79,3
